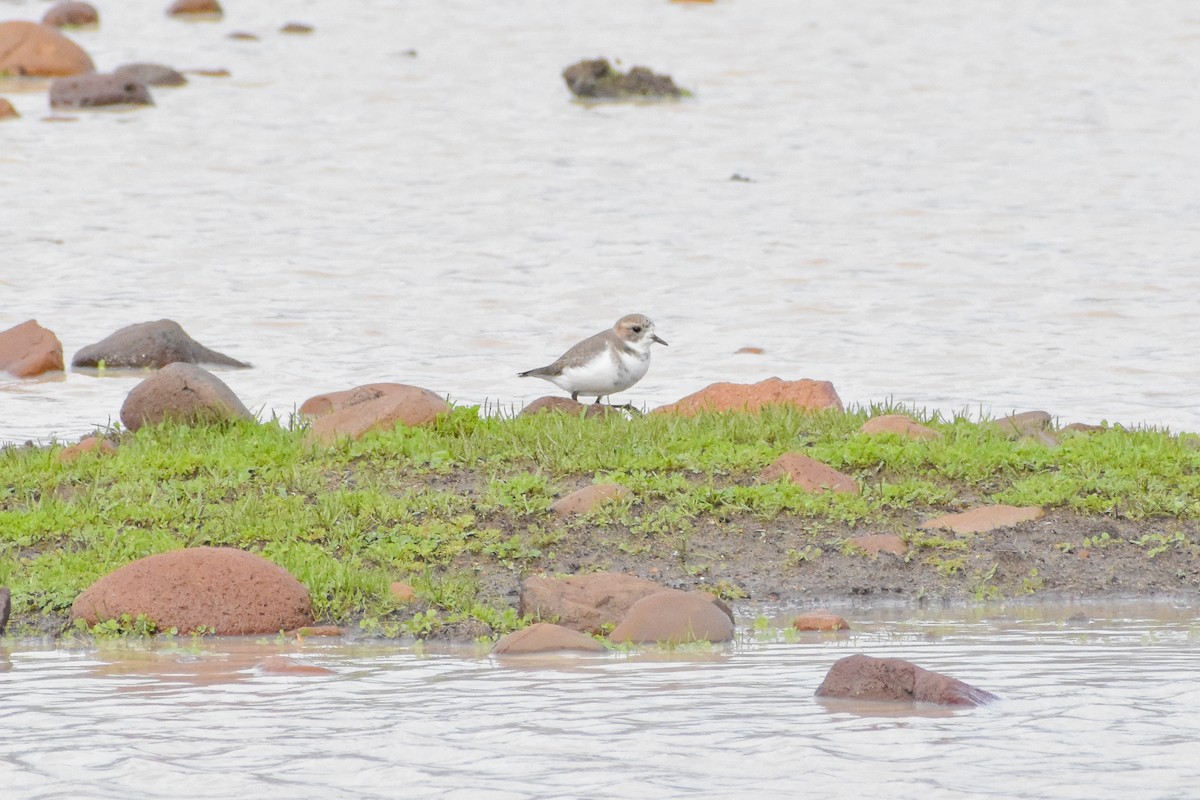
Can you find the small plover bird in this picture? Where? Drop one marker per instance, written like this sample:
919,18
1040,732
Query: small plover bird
604,364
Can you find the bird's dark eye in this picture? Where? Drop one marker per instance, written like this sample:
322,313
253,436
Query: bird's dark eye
637,328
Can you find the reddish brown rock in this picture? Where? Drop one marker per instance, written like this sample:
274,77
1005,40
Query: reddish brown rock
184,394
150,74
150,344
544,637
373,407
588,499
27,48
876,543
898,424
7,111
751,351
29,349
674,617
283,665
820,620
91,444
71,13
984,518
218,589
195,8
864,677
403,592
584,602
565,405
806,394
809,474
95,90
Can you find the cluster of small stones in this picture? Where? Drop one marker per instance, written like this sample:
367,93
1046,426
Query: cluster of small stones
227,591
41,50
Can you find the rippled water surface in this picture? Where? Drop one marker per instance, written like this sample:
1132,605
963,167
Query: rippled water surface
984,207
1097,701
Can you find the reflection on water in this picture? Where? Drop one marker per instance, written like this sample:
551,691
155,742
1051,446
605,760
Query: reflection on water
954,206
1114,693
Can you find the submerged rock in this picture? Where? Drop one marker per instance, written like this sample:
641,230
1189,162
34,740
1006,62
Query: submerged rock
222,590
863,677
597,79
675,617
28,349
151,74
285,665
96,90
150,344
545,637
27,48
584,602
804,394
71,13
184,394
820,620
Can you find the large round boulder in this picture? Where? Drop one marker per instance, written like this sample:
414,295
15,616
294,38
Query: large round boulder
585,603
545,637
675,617
218,589
184,394
374,407
27,48
150,344
863,677
804,394
29,349
97,90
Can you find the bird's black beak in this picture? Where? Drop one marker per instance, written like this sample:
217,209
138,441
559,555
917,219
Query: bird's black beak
655,338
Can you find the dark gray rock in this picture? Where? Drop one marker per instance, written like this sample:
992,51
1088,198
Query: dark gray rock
183,394
94,90
150,344
151,74
597,79
5,607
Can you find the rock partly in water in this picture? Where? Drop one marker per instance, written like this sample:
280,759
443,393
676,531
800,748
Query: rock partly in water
820,620
220,590
185,394
195,9
675,617
585,603
804,394
28,349
863,677
565,405
285,665
984,518
27,48
5,607
97,90
151,74
545,637
596,79
899,425
374,407
6,109
150,344
1028,423
296,28
71,14
809,474
90,444
588,499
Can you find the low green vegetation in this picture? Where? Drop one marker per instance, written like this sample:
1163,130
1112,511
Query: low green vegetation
461,510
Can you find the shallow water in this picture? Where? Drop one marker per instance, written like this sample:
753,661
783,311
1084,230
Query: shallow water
1097,700
962,207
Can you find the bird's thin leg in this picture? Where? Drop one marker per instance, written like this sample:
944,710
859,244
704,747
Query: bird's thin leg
597,400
